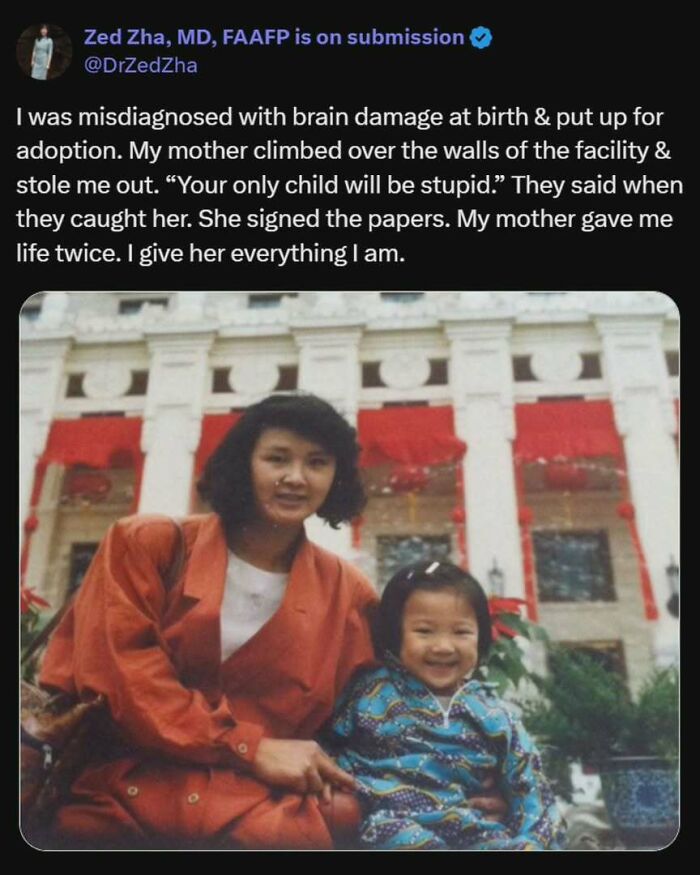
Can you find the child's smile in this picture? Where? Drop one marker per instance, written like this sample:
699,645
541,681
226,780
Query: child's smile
440,639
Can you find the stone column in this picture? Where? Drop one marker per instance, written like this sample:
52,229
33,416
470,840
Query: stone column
48,581
482,392
329,367
177,386
189,306
41,378
644,415
54,307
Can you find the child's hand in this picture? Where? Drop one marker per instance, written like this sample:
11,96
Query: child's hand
491,802
300,766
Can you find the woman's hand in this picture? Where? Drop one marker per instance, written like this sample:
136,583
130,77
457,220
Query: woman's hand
491,803
300,766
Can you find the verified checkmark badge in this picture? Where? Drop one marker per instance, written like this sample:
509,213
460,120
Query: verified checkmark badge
480,37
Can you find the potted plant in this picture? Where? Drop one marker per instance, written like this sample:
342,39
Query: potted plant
587,714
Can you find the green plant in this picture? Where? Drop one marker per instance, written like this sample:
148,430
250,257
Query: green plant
32,621
506,666
655,728
586,712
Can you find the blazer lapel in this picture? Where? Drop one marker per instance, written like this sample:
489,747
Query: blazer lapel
196,636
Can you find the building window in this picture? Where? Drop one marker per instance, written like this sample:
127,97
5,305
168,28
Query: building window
267,301
546,295
31,309
289,378
129,306
393,552
80,558
610,655
139,383
522,370
370,375
74,387
573,566
402,297
219,381
591,366
102,413
673,363
438,373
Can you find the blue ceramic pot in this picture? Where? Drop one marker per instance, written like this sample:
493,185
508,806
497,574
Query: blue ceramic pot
641,796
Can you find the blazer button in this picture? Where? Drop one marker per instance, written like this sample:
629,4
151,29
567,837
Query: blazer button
132,791
242,748
193,798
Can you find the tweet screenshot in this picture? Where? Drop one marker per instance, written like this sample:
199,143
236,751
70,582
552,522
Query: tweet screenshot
414,284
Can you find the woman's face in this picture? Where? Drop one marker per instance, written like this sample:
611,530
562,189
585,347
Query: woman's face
44,31
291,477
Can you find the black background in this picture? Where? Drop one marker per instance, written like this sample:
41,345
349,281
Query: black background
562,59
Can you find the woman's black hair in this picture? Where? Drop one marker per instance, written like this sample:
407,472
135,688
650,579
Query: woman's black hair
226,480
430,576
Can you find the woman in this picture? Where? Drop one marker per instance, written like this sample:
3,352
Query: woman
42,53
220,683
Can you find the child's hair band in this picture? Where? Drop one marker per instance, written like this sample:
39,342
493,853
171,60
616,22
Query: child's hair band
432,567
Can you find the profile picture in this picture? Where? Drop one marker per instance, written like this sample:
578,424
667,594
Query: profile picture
44,51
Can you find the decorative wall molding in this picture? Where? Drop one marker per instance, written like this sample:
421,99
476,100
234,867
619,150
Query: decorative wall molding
107,380
556,363
253,376
405,369
228,312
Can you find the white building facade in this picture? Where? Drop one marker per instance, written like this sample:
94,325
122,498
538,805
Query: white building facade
532,437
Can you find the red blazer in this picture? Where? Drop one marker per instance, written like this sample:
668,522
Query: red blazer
156,657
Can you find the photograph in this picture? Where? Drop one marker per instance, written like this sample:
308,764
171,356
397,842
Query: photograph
353,570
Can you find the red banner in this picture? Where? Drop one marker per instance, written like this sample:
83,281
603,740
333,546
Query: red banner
410,435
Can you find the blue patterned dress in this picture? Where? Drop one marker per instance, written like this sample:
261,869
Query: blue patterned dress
417,764
43,50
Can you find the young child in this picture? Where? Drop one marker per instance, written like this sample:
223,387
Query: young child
421,738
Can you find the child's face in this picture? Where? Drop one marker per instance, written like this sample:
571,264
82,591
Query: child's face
440,639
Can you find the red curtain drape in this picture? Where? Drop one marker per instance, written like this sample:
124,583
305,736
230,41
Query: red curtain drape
95,441
408,435
566,429
214,429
